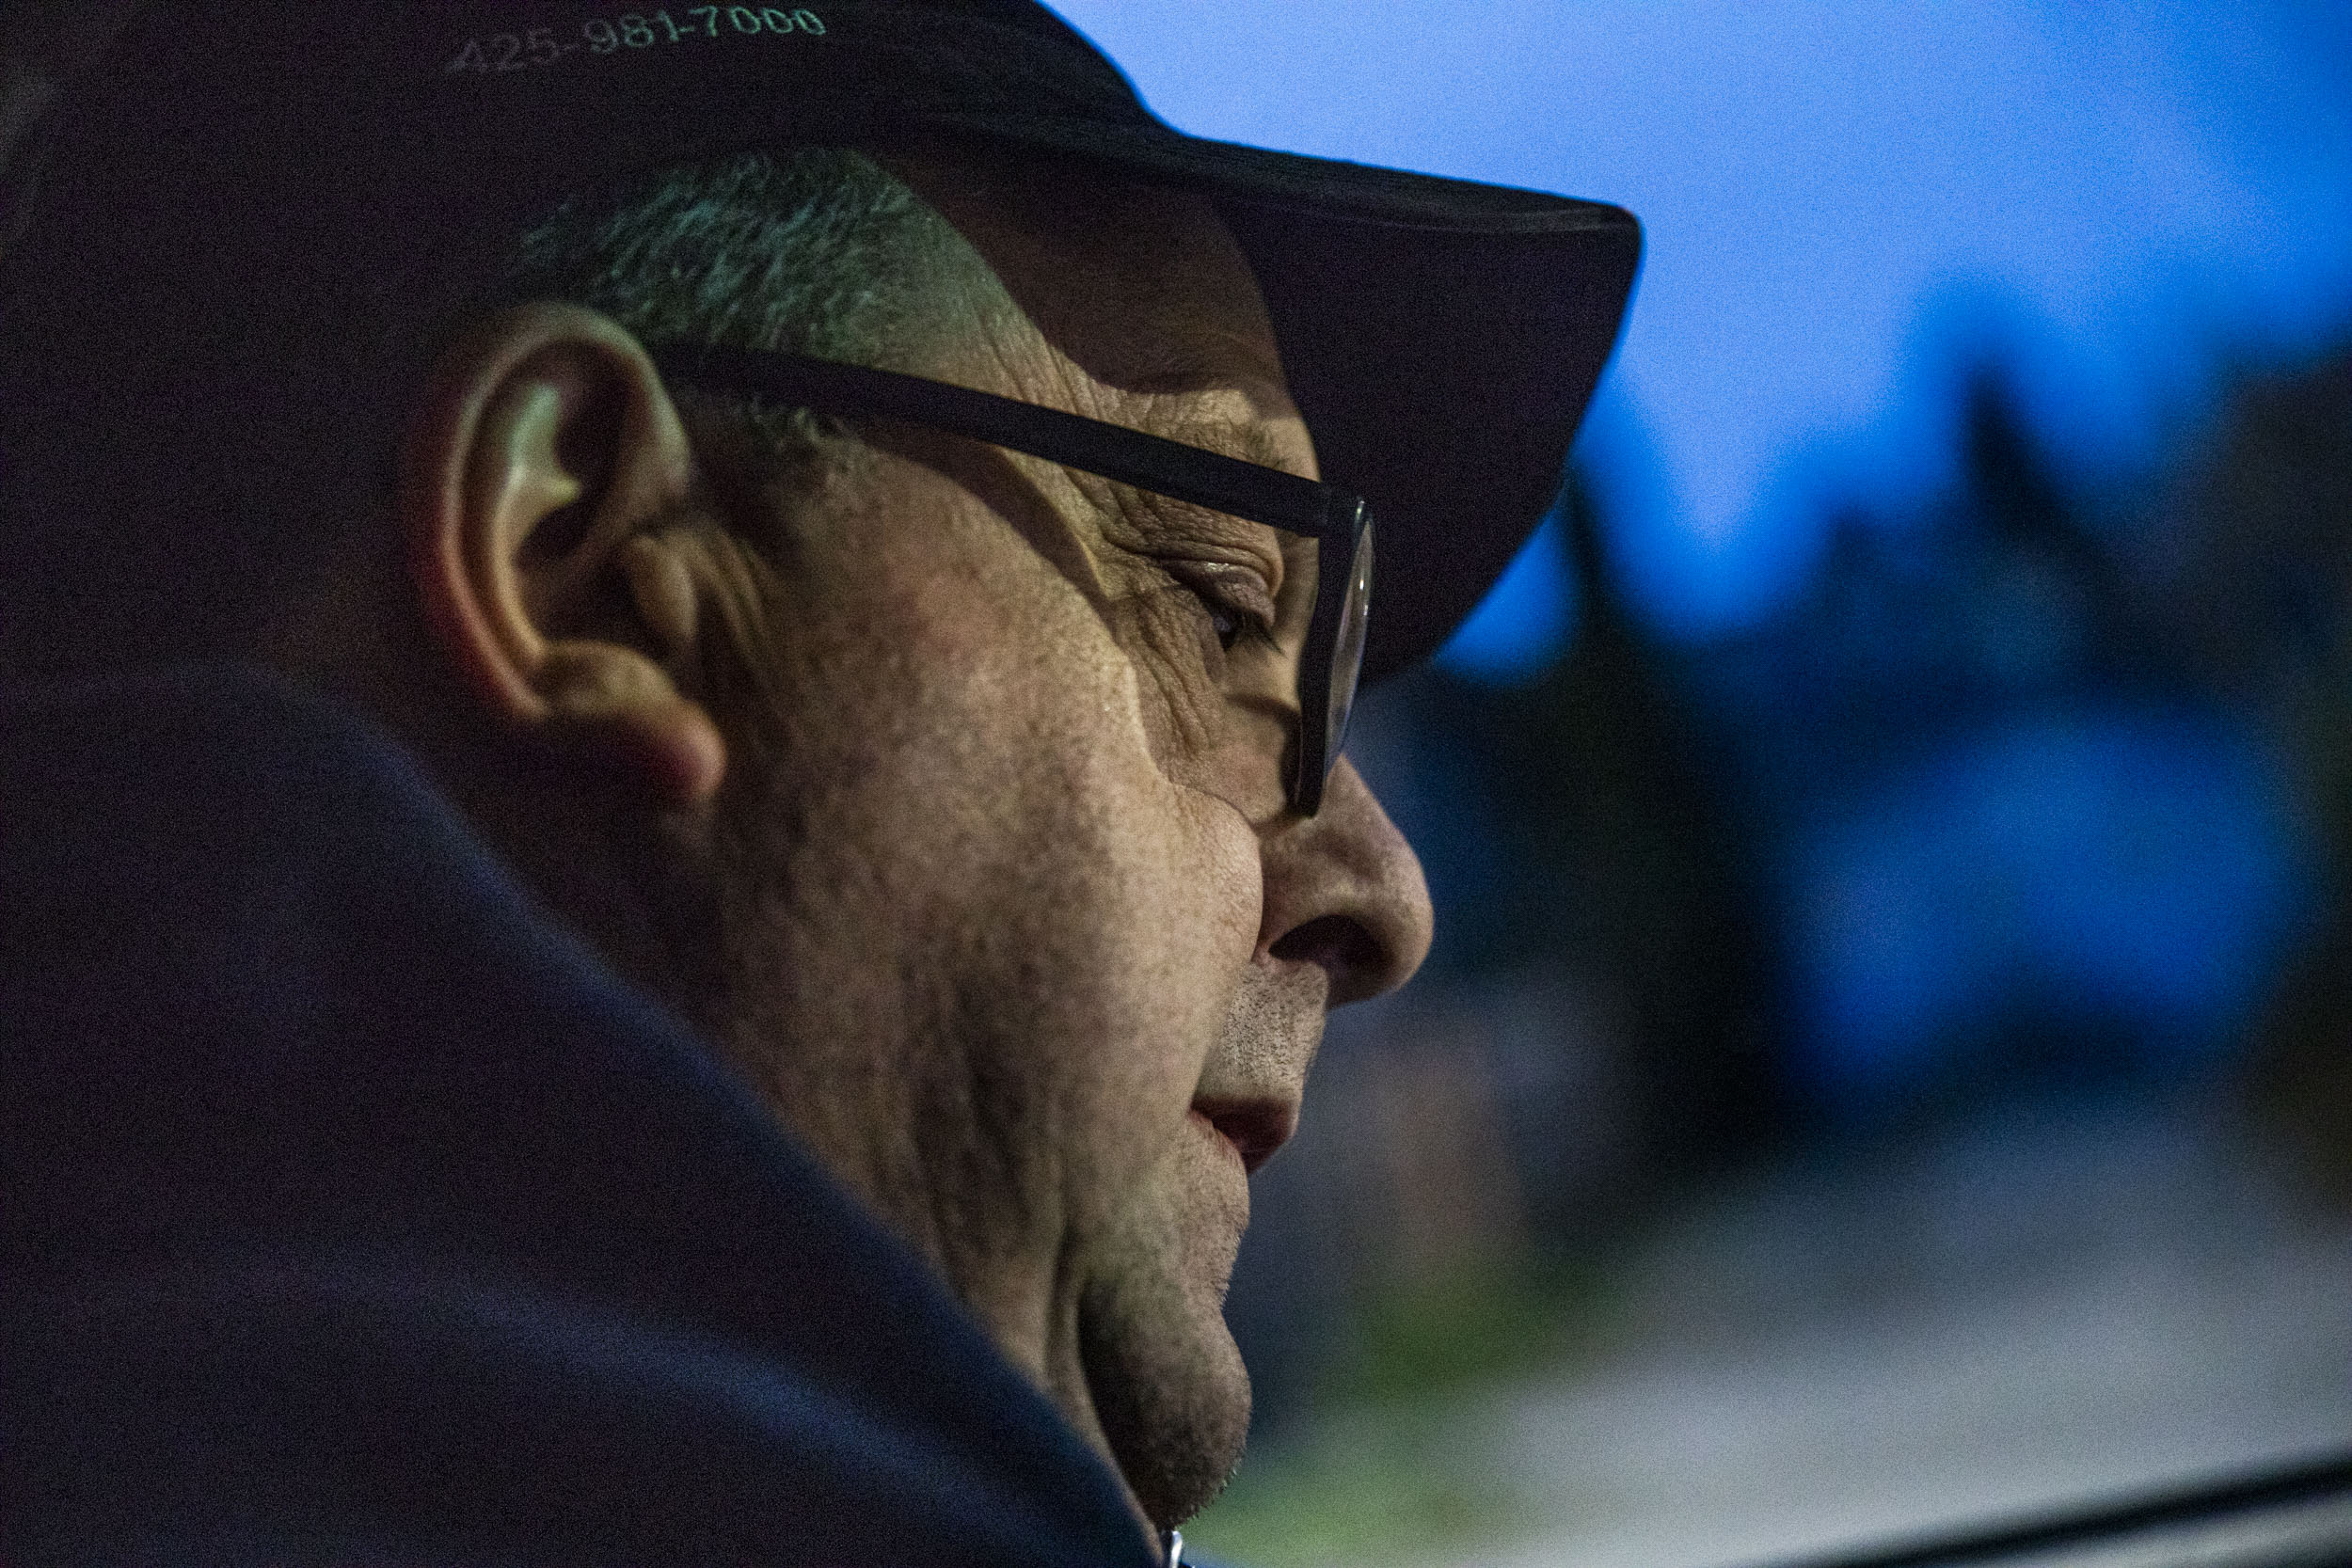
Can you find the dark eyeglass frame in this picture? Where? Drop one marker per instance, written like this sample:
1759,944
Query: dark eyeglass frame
1334,653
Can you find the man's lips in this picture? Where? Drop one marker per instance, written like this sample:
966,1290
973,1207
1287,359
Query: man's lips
1254,1127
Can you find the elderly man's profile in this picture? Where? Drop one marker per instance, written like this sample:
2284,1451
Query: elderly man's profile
672,816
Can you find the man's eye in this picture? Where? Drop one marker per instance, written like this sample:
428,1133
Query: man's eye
1233,624
1240,609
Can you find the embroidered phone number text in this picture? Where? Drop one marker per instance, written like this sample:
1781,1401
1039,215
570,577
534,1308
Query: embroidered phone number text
543,46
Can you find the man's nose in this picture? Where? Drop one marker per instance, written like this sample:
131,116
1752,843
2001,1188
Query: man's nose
1344,889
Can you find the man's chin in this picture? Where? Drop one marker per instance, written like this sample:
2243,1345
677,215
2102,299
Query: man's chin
1172,1394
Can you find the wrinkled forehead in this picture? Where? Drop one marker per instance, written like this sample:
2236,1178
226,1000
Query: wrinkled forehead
1143,287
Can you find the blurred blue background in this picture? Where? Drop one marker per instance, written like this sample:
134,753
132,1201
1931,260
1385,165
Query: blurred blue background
1889,828
1844,204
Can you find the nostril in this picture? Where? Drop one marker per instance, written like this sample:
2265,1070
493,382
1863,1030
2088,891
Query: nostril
1255,1130
1347,952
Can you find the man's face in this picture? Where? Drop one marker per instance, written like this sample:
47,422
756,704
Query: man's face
1018,932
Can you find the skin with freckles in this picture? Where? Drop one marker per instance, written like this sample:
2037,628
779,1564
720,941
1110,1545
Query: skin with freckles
943,786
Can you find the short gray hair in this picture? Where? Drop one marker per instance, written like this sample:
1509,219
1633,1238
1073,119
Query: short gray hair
812,250
819,252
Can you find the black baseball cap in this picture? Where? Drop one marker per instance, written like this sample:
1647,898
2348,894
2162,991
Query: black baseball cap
232,161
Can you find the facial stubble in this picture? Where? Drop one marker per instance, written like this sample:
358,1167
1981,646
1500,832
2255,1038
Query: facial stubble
922,1093
1168,1383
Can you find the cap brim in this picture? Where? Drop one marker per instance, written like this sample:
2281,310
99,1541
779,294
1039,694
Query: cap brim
1441,337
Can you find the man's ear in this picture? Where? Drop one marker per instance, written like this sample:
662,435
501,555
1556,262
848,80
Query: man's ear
535,478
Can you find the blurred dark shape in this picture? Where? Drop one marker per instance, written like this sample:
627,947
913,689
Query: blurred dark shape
1615,861
1627,798
1996,596
2256,529
2045,559
2016,844
2263,583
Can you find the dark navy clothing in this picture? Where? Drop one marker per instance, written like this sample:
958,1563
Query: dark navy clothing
352,1213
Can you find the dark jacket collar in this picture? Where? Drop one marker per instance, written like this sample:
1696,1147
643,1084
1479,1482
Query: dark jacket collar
354,1210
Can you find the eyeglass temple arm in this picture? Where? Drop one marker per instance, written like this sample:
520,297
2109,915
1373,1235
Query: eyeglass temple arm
1149,462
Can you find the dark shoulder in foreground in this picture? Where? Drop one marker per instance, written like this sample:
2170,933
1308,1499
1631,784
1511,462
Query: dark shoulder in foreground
341,1274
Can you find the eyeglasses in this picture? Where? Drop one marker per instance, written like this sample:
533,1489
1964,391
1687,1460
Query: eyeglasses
1337,521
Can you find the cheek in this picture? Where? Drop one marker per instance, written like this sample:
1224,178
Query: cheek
1102,913
1169,648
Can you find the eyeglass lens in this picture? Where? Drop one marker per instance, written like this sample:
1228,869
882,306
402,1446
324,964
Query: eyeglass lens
1347,660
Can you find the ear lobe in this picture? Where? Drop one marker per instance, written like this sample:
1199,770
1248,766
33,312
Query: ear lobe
545,453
